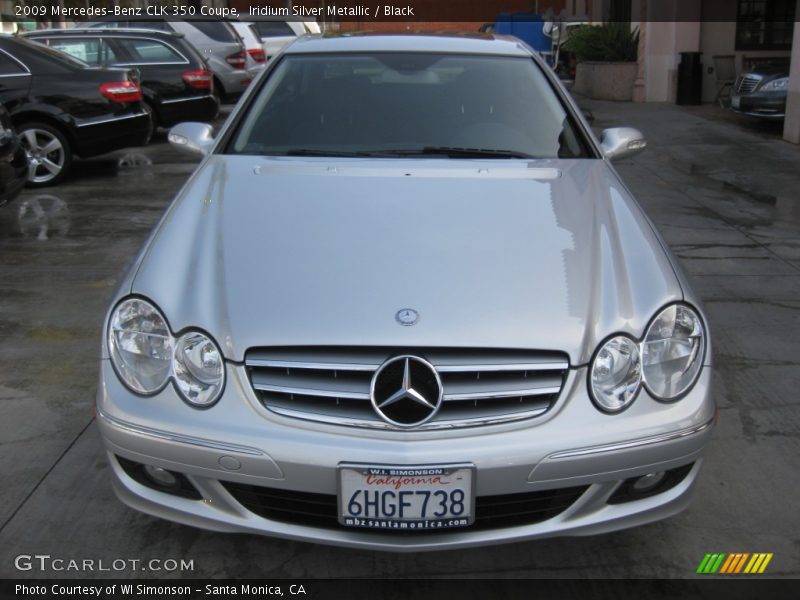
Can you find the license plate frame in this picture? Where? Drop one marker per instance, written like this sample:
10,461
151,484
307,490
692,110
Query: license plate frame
414,479
736,101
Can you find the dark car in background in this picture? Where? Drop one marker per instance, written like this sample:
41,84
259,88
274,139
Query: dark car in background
215,40
13,160
762,92
61,107
175,80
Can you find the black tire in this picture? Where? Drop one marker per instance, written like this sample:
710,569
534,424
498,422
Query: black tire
45,167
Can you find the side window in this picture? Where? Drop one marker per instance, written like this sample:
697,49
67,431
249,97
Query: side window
143,51
216,30
8,66
274,29
84,49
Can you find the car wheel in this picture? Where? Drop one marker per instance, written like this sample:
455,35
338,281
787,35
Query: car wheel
49,153
153,122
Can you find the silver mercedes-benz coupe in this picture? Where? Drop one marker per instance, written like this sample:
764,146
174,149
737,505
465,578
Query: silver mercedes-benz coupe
406,303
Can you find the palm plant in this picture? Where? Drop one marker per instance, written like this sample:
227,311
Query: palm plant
609,42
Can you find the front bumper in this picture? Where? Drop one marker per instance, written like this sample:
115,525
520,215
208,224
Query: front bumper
240,442
765,105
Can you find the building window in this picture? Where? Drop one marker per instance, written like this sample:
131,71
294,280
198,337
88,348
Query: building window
619,11
765,24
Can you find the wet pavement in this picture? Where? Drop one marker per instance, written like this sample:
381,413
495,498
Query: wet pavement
725,199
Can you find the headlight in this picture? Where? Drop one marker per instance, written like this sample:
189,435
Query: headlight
140,345
672,351
145,355
199,371
616,374
776,85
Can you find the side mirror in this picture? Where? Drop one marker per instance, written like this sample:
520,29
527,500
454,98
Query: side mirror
192,137
622,142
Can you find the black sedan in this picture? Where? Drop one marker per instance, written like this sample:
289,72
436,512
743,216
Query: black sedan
175,80
761,92
13,160
62,108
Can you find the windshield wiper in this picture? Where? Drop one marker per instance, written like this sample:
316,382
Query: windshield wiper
449,151
314,152
455,152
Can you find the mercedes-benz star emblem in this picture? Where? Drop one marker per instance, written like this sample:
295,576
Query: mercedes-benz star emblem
406,391
407,316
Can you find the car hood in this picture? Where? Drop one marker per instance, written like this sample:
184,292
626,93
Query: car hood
770,71
548,255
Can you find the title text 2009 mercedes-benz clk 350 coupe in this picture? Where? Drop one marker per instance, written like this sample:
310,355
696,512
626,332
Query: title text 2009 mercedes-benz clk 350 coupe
406,303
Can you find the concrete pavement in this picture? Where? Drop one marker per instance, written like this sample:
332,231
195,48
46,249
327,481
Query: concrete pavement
725,199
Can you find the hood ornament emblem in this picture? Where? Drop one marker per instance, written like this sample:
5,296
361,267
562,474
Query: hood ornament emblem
407,317
406,391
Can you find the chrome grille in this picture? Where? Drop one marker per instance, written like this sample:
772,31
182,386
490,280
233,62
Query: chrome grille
332,384
745,84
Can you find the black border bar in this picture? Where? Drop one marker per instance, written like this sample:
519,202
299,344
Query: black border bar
712,588
363,12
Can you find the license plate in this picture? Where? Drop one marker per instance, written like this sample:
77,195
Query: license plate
735,101
406,498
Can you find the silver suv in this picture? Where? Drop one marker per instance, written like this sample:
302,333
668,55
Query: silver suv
274,34
216,41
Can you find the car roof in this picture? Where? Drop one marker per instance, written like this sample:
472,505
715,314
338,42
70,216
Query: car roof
105,31
158,19
477,43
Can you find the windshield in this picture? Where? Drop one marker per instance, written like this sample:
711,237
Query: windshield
404,104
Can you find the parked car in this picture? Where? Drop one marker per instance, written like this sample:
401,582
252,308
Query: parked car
13,160
215,40
394,308
761,92
252,43
275,34
175,80
63,108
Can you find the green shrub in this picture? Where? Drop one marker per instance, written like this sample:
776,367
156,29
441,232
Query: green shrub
611,42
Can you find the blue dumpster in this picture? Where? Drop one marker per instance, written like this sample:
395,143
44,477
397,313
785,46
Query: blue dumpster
529,28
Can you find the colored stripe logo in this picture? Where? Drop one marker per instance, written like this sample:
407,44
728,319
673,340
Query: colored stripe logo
734,564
